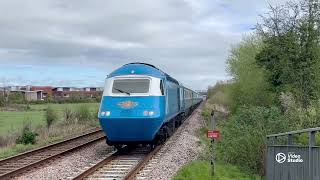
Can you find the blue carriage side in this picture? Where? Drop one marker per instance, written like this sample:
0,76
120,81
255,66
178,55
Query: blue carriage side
141,104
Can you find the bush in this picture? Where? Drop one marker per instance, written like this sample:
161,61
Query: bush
244,136
83,114
16,98
27,135
51,116
220,94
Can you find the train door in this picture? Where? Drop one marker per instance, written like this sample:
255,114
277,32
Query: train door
178,98
181,99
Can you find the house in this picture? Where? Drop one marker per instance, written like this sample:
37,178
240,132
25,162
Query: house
46,90
61,92
26,91
36,93
92,91
33,95
66,92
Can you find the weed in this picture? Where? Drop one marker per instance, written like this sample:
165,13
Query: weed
83,114
51,116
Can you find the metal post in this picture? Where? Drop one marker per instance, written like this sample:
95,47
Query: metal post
290,139
212,157
312,141
213,127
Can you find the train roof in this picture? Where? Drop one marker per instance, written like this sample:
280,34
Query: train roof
139,68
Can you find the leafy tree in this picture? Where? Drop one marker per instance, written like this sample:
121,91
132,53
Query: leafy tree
290,51
249,85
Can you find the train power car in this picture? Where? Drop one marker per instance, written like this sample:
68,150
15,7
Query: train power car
143,105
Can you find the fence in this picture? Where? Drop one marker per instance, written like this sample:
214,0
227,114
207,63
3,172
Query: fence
293,161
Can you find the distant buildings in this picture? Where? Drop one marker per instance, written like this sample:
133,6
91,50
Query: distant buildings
38,93
67,92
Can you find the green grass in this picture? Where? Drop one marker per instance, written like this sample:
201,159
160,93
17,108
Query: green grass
12,120
20,148
201,170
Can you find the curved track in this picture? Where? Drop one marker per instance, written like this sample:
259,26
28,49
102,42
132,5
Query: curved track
18,164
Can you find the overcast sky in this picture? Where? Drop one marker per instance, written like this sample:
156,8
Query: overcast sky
77,43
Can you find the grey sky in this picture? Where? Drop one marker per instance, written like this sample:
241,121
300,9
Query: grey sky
85,40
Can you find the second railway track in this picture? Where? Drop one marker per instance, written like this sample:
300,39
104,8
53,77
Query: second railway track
21,163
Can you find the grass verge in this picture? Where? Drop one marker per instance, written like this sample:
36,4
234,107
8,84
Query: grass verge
201,170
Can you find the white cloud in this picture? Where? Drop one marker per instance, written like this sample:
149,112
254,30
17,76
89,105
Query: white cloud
189,39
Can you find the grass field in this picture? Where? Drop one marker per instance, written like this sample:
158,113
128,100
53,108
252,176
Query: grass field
201,170
13,120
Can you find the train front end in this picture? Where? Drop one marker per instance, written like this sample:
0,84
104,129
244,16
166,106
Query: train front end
132,106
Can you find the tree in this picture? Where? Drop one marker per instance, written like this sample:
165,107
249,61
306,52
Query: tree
249,85
290,51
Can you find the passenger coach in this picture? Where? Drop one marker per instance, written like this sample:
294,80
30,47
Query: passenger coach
143,105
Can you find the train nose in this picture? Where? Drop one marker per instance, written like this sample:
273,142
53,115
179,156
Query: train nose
131,118
130,107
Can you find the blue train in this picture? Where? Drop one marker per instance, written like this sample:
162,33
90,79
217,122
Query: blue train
143,105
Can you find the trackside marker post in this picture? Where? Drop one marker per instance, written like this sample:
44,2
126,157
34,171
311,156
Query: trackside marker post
213,134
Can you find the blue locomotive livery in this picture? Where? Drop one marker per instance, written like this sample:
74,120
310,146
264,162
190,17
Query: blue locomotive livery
143,105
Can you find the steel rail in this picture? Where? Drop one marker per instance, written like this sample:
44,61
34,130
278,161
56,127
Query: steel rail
132,174
10,167
97,166
117,156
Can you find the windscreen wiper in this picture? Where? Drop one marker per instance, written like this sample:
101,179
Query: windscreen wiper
122,91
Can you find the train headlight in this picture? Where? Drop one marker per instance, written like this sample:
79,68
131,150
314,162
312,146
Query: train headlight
105,113
151,113
148,113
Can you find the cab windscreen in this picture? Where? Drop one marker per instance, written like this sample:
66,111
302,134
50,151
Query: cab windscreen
128,86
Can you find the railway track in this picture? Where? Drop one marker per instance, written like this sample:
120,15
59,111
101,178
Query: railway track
14,166
123,164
